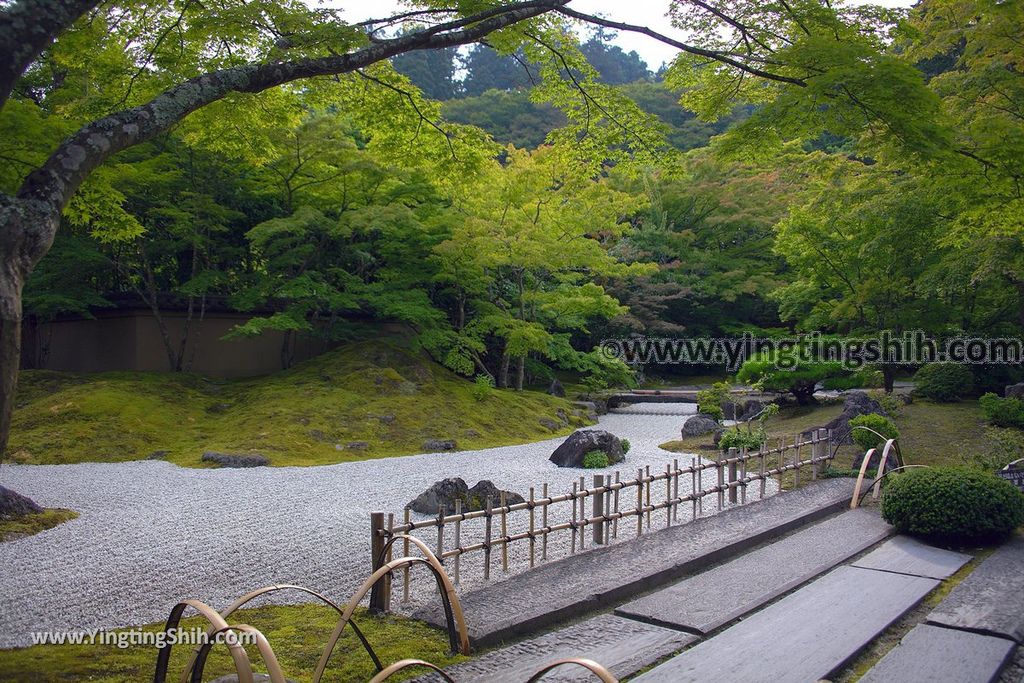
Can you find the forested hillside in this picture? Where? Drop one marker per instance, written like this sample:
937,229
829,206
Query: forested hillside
517,203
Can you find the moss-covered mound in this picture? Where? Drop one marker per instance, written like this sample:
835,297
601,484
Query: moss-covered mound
365,400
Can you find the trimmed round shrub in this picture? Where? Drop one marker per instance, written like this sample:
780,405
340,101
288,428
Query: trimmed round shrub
953,505
1002,412
879,423
945,382
625,445
595,460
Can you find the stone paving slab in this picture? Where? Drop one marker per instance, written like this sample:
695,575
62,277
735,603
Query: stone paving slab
905,555
931,654
805,636
991,599
599,578
623,646
704,602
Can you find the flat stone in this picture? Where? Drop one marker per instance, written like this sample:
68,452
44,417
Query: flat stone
622,646
931,654
601,577
704,602
905,555
991,599
806,636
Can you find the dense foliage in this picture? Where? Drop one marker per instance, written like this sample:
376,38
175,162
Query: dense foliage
953,505
876,423
943,381
1002,412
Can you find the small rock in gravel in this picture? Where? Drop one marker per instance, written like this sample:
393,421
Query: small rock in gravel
15,505
437,445
572,451
699,425
447,491
232,460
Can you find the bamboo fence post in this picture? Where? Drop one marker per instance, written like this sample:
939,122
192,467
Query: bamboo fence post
782,459
796,461
533,540
440,532
693,485
607,509
639,501
720,468
615,523
584,491
388,558
700,488
599,510
405,553
732,475
458,538
668,495
762,457
675,489
647,486
378,598
487,541
573,550
544,524
504,533
743,475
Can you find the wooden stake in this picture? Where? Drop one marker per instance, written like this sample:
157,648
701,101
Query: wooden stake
504,534
544,523
487,541
574,488
405,553
647,486
639,501
615,523
458,538
533,541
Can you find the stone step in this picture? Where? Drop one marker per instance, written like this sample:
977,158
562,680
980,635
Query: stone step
905,555
991,599
705,602
805,636
623,646
600,578
930,654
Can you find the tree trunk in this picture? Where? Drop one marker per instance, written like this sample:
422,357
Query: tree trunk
11,285
888,376
520,372
803,391
503,371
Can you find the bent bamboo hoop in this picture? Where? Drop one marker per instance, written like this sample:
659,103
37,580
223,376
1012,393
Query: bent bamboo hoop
242,667
599,671
403,664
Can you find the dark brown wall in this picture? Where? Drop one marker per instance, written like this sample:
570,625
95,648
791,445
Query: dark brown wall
130,340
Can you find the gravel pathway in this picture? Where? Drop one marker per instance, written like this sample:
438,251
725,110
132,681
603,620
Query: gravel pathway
151,533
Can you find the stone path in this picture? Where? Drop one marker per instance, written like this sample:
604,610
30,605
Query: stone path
806,636
596,580
705,602
904,555
991,599
623,646
930,654
151,533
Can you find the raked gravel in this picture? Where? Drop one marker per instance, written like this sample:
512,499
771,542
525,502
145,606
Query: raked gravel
151,533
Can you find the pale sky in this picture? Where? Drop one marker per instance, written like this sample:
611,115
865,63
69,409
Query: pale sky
642,12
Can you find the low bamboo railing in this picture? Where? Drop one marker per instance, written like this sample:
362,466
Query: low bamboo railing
613,500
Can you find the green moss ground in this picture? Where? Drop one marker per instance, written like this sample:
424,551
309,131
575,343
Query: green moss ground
383,392
12,528
930,433
297,634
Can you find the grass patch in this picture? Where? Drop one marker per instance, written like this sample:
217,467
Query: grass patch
297,634
13,528
930,433
365,400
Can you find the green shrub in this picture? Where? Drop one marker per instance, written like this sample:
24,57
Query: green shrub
742,438
865,378
595,460
953,505
625,445
945,382
879,423
999,449
709,401
890,402
1002,412
482,387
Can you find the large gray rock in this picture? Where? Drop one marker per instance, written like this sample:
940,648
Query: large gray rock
699,425
16,505
855,403
570,453
447,491
556,389
751,409
235,460
437,445
1015,391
